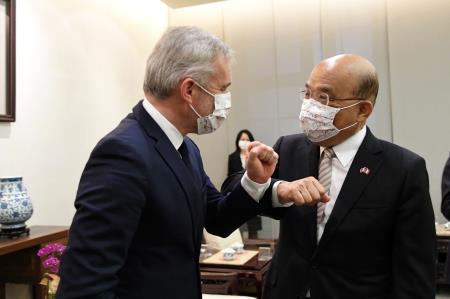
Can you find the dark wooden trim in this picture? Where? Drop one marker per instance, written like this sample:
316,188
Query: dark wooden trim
19,262
38,235
10,115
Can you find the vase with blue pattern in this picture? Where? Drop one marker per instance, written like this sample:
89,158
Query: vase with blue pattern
15,205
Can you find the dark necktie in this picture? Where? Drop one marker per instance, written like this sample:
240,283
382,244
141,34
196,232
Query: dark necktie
183,150
185,157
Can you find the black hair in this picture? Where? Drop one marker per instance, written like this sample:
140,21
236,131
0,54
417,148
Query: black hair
249,134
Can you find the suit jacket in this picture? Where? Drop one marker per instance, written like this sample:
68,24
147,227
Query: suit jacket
445,205
379,241
140,214
234,163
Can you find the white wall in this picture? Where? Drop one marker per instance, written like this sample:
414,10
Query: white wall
2,57
80,67
419,48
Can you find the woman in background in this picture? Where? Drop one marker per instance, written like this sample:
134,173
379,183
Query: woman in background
236,160
236,167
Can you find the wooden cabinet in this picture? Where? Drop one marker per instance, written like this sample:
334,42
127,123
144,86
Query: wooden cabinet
18,260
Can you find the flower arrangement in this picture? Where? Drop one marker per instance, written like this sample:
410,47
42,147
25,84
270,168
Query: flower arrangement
50,255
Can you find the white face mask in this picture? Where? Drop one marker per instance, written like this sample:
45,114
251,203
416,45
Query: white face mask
210,123
317,119
243,144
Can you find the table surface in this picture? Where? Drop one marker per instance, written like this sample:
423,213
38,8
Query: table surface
38,235
252,264
441,231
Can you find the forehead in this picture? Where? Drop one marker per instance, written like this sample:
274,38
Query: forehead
221,77
332,79
244,136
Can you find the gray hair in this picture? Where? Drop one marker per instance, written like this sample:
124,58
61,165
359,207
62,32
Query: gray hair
368,86
180,53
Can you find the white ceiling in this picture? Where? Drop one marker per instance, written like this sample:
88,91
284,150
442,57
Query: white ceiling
185,3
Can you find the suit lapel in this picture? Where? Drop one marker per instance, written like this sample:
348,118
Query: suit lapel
172,158
354,185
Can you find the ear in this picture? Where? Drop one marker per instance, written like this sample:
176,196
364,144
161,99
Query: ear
186,89
365,109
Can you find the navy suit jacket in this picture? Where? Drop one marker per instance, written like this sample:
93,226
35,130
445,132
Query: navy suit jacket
379,241
140,214
445,205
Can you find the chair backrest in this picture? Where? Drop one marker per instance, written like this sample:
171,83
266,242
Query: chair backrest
219,283
219,243
209,296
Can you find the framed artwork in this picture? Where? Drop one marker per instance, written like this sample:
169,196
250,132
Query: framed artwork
7,60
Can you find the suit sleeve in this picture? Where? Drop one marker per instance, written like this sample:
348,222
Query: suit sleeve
414,238
110,198
226,213
276,213
445,205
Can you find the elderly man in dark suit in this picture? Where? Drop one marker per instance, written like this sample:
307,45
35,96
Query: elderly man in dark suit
144,197
375,238
445,205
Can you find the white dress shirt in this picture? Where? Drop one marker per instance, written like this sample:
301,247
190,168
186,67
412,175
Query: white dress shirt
345,153
255,190
243,158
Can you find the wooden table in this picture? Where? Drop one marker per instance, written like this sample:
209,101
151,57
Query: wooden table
442,262
18,260
253,270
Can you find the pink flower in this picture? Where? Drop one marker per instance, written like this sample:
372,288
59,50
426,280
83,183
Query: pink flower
51,254
51,264
51,248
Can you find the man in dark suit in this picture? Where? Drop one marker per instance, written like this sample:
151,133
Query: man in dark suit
375,238
144,197
445,205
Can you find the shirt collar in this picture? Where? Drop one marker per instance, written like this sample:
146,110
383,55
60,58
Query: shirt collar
346,151
168,128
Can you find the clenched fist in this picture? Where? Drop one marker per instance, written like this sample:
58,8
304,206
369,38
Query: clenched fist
307,191
261,162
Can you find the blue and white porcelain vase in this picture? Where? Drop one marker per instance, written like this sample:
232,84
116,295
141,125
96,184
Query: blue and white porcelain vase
15,204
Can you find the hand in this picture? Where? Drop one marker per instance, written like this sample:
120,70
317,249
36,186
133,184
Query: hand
261,162
307,191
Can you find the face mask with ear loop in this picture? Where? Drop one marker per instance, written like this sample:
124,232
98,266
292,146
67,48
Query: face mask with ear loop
317,119
243,144
212,122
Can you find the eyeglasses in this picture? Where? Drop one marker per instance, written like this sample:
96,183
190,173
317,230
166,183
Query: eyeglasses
324,98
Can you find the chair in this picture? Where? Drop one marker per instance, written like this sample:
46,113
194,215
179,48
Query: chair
209,296
220,286
219,283
222,282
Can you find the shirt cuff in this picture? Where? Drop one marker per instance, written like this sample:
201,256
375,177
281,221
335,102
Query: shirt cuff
275,202
255,190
